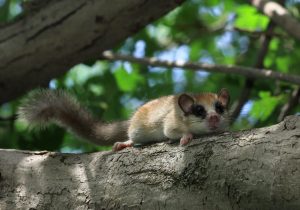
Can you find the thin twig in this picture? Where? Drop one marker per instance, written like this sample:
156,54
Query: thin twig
257,34
291,104
227,69
246,91
9,118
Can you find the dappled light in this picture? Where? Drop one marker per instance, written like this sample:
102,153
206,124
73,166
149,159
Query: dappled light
198,47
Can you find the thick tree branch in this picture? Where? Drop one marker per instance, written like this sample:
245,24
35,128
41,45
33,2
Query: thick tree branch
227,69
46,42
279,15
255,169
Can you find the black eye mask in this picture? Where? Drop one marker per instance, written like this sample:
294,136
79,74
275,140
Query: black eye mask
199,111
219,107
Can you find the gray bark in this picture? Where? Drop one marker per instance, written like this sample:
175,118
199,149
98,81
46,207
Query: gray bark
254,169
279,15
55,35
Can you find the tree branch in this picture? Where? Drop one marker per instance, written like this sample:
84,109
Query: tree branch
290,105
9,118
246,91
46,42
227,69
254,169
279,15
258,34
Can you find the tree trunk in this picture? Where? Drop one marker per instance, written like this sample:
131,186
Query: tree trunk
255,169
55,35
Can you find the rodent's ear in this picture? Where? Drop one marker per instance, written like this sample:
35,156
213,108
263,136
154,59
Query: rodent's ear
224,97
186,102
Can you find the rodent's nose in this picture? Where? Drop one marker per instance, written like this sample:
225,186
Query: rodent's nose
214,118
213,121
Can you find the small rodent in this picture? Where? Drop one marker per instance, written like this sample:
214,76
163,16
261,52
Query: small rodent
173,117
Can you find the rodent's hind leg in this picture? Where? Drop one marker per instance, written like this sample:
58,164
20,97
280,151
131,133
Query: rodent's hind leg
186,138
122,145
172,141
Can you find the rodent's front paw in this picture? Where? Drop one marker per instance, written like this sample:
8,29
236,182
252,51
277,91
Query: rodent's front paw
121,145
186,138
116,147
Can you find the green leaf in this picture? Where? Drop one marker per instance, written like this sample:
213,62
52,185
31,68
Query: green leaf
127,81
263,107
249,18
283,63
4,11
195,51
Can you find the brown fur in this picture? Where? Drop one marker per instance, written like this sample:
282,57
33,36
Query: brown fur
155,121
206,99
163,118
42,107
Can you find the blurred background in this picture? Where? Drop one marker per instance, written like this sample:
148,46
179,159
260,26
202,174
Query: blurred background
216,32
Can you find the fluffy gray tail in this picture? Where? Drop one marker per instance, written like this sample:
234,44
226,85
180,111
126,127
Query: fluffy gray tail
44,106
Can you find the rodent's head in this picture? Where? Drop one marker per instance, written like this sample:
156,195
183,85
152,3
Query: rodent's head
206,112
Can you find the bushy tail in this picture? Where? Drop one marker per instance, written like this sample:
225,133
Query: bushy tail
44,106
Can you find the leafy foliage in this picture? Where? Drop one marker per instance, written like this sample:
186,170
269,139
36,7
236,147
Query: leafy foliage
201,31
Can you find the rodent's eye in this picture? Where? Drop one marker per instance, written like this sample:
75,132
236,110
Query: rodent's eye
219,107
198,111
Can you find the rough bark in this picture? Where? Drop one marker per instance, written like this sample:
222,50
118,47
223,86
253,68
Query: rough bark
279,15
52,37
255,169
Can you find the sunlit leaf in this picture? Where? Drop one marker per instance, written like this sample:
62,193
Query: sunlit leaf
249,18
264,106
126,81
